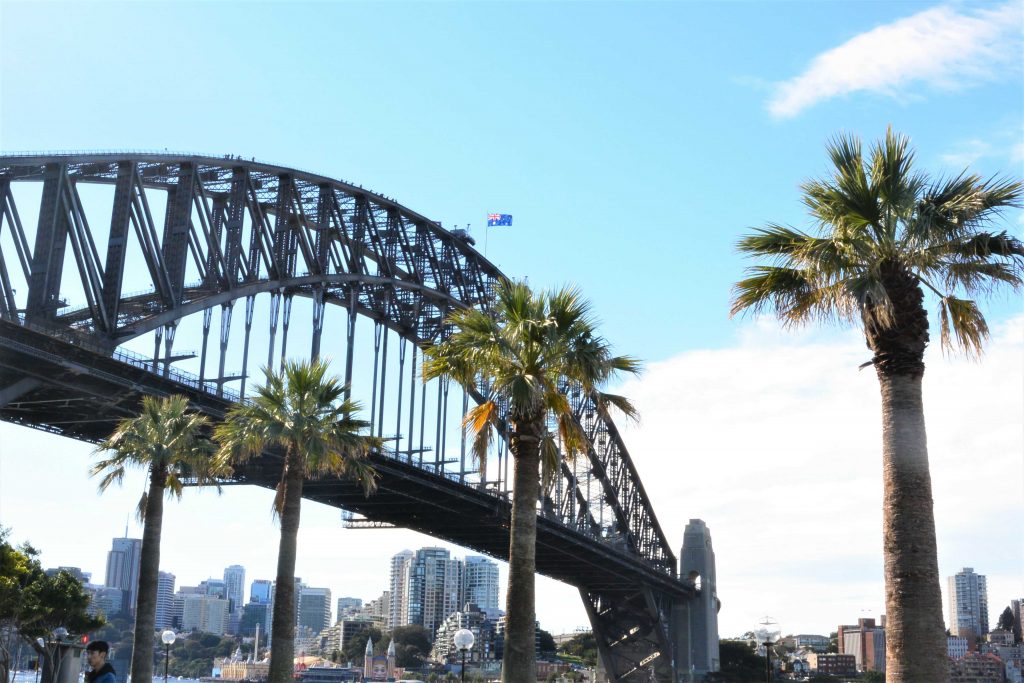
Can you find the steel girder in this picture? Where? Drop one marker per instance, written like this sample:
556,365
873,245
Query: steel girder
247,229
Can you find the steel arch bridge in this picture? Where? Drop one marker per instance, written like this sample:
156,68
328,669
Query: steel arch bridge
263,236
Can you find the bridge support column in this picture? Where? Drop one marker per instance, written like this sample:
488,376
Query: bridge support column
695,622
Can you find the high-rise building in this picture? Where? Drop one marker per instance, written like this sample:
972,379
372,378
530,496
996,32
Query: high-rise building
215,588
399,577
260,591
968,604
205,613
234,582
80,576
123,570
481,585
164,600
254,615
314,608
433,589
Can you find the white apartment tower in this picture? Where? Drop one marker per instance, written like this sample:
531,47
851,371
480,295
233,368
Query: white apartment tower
397,608
968,604
164,600
481,584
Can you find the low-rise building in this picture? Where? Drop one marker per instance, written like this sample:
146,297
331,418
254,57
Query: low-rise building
956,647
1001,637
866,642
814,642
833,663
975,667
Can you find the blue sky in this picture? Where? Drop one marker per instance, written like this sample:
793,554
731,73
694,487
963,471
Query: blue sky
633,142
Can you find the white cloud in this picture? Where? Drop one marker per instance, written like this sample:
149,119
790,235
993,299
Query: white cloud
776,445
941,47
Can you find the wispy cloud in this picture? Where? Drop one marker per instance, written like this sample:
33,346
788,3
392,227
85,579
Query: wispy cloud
942,47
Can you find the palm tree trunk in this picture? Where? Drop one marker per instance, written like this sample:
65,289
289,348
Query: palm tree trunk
519,661
149,567
282,646
915,639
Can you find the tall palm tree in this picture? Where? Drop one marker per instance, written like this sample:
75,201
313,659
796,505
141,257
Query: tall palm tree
520,354
168,440
885,235
303,412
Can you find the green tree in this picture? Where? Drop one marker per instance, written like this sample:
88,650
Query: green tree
583,646
546,641
522,352
355,646
738,664
872,677
412,645
885,233
167,440
302,412
1006,620
34,604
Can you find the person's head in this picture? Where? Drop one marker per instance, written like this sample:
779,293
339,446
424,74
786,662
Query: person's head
96,653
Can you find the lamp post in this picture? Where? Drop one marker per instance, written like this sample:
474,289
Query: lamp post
463,640
767,635
168,638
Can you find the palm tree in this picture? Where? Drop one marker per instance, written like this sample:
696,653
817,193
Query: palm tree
302,412
168,440
885,235
521,354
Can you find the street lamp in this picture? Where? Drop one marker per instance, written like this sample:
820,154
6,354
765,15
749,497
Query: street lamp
767,635
463,640
168,638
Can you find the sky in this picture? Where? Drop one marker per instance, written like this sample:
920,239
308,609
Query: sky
633,143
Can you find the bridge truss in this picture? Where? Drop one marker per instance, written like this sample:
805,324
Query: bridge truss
265,237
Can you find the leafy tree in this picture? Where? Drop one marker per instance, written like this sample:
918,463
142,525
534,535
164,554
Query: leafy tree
303,412
738,664
412,645
885,233
167,440
34,604
872,677
355,647
520,354
1006,620
546,641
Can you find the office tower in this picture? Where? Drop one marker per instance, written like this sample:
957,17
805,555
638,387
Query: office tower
215,588
123,570
481,585
968,604
205,613
314,612
80,576
348,607
254,614
399,577
164,600
260,591
433,589
234,583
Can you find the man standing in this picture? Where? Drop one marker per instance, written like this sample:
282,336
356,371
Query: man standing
96,657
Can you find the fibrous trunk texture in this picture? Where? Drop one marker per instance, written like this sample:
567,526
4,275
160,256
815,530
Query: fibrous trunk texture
519,661
149,568
282,646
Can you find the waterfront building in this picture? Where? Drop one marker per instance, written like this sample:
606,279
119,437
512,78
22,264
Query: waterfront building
234,583
956,646
968,604
975,667
314,608
123,570
164,600
866,642
259,591
398,607
377,668
434,588
480,584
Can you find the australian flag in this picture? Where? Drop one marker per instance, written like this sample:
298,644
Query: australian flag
499,219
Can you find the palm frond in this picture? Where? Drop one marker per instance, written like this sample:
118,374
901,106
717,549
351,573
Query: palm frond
620,403
550,458
140,509
962,326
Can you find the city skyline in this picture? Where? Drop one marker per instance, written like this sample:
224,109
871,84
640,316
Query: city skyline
633,143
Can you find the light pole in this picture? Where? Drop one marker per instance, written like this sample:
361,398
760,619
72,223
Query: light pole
168,638
463,640
766,635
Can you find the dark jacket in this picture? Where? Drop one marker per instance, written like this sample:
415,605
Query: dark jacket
104,675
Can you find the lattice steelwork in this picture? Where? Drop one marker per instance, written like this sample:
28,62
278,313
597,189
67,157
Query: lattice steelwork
236,231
